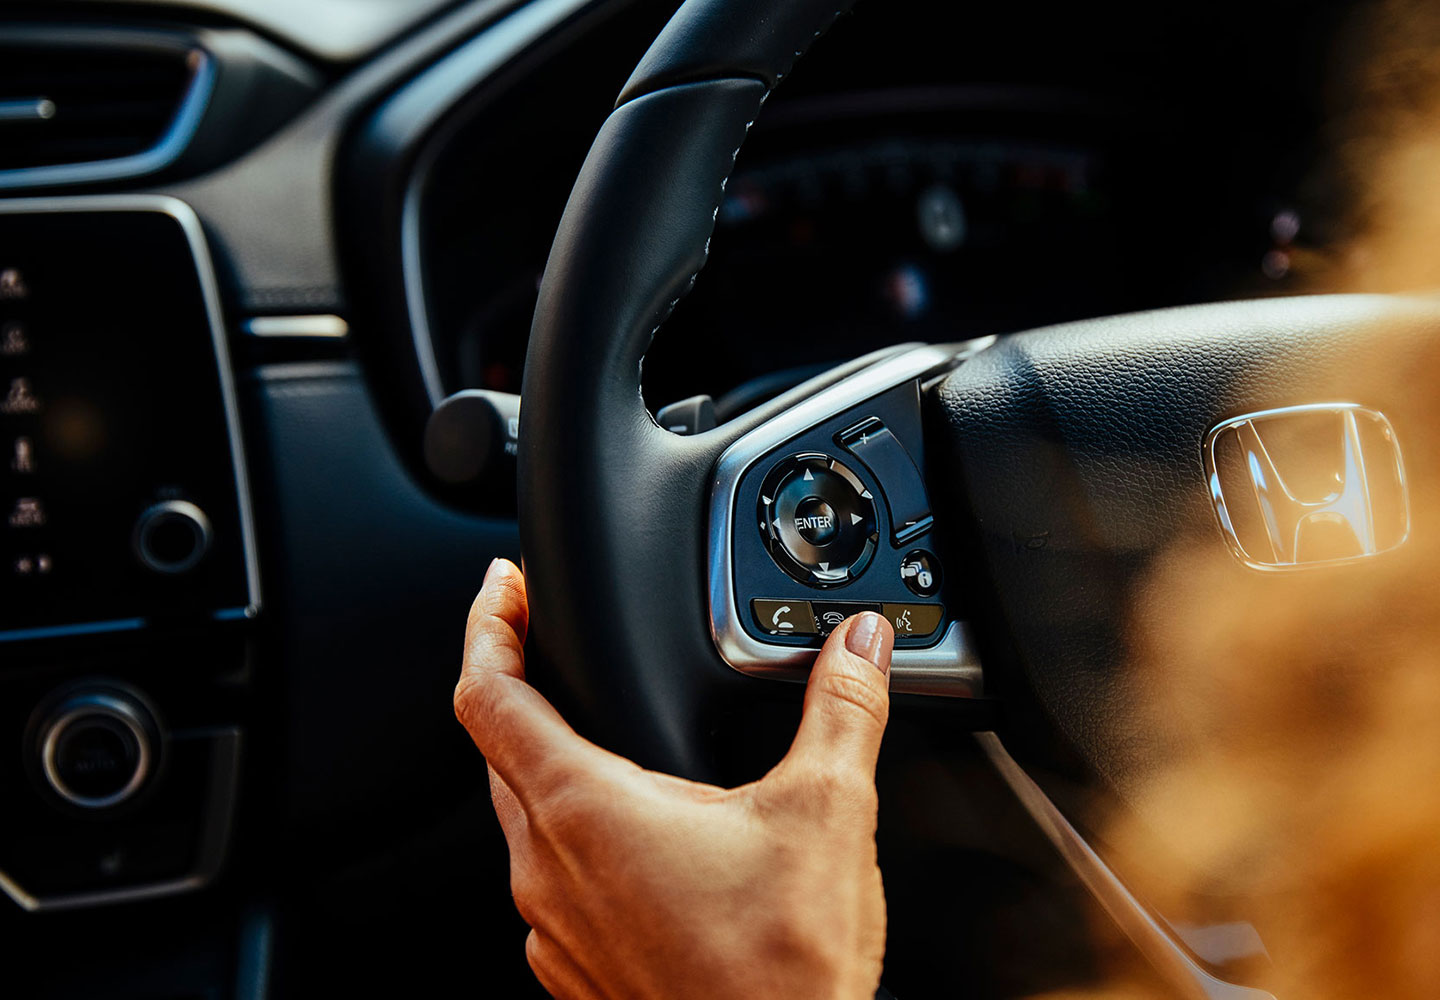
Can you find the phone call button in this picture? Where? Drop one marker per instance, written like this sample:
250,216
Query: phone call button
784,617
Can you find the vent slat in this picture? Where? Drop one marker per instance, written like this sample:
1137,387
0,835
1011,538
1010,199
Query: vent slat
108,103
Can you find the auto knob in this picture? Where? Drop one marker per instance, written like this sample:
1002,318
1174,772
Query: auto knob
98,747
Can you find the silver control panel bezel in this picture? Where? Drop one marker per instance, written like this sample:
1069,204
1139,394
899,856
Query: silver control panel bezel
950,667
194,233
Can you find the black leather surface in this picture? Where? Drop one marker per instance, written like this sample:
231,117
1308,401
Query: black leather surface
1078,449
613,509
732,38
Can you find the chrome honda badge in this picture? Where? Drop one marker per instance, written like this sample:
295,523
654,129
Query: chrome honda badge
1305,486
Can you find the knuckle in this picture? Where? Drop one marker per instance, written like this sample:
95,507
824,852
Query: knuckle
524,900
534,952
836,784
484,645
567,815
854,692
836,798
498,608
528,889
508,592
482,703
796,935
488,636
464,700
539,956
474,701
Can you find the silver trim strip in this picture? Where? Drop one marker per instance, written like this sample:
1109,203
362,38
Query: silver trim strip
413,277
210,292
80,628
29,109
165,152
327,326
419,106
214,844
951,666
1169,959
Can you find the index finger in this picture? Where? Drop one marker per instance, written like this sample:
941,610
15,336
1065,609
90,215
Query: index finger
521,735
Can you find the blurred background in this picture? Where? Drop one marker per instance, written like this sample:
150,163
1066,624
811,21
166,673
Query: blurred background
391,175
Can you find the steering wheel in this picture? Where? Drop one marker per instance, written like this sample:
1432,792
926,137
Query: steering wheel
1003,496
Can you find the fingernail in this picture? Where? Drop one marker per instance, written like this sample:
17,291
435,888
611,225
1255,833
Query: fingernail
867,637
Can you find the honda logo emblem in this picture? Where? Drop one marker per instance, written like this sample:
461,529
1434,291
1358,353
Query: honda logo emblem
1308,486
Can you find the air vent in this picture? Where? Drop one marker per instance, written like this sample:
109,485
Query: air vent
89,111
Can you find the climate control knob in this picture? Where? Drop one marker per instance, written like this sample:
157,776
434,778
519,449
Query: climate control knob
172,537
98,748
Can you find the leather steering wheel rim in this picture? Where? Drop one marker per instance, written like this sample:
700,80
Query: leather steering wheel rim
1084,442
612,510
1075,455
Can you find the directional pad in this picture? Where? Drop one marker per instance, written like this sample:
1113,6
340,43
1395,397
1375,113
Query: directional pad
818,520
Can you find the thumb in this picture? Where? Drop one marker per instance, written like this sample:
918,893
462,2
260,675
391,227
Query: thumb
847,700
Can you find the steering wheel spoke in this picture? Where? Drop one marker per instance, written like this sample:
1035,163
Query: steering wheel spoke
1066,462
820,512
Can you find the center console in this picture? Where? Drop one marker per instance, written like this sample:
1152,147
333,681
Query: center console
127,556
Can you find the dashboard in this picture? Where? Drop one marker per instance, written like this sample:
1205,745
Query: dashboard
901,208
263,241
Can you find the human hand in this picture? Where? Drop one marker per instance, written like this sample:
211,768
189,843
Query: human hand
639,884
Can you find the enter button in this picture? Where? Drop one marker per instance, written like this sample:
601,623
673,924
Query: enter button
815,520
914,619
